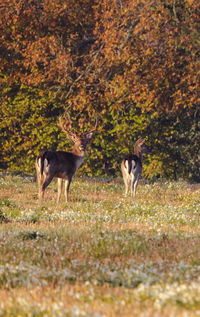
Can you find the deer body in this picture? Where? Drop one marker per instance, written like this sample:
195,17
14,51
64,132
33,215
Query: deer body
60,164
131,167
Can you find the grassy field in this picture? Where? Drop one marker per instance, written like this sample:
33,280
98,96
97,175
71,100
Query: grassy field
102,254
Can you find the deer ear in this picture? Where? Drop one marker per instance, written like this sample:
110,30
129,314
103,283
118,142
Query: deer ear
89,135
141,141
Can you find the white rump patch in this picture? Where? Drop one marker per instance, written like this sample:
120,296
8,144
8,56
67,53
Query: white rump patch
126,165
130,176
133,166
38,165
126,168
46,166
39,162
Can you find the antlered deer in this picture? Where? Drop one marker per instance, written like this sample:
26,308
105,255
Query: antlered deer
131,166
60,164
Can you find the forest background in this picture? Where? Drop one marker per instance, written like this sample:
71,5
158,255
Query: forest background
134,63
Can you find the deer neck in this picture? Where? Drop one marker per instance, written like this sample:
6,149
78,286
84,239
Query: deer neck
78,152
79,155
138,153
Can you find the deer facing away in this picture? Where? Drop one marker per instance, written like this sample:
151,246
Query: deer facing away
60,164
131,166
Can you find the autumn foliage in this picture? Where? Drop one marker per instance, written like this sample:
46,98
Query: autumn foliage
135,63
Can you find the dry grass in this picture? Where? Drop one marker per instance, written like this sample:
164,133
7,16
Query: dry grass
107,302
102,254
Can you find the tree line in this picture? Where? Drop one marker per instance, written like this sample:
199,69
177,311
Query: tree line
134,63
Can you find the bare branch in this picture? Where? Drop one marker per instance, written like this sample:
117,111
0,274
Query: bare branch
85,71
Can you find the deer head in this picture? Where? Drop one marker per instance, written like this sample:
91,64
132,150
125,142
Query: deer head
80,139
141,148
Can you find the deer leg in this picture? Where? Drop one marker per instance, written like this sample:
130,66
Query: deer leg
67,185
127,185
40,181
44,182
41,189
126,180
134,186
60,186
40,193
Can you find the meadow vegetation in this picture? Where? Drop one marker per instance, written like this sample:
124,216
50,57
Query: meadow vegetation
102,254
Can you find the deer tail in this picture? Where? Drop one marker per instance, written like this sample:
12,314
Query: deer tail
40,161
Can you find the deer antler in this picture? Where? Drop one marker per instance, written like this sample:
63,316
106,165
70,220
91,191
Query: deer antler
66,127
140,141
95,126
